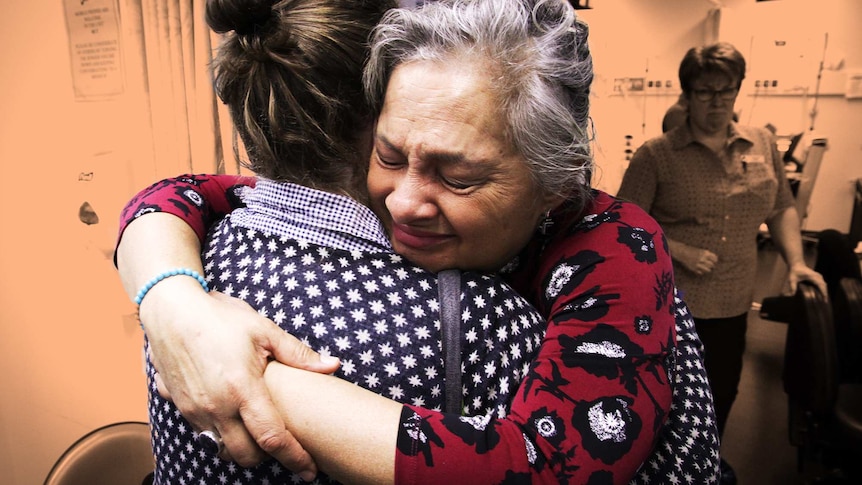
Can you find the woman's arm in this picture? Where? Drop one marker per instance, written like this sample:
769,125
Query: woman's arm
590,407
214,375
349,430
697,260
785,230
353,433
199,200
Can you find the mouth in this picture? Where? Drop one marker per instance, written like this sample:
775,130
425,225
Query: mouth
415,238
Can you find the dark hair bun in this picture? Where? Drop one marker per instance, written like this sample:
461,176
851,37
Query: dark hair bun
241,16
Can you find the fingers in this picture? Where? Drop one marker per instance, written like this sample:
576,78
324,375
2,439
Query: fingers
262,420
801,272
239,445
215,379
710,258
706,262
288,350
283,346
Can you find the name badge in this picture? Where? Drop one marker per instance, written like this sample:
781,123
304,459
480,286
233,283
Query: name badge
753,159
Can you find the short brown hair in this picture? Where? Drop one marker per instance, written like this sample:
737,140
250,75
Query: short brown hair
721,58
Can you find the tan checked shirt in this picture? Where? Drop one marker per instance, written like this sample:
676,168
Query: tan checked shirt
712,202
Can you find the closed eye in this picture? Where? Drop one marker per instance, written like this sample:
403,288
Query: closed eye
458,185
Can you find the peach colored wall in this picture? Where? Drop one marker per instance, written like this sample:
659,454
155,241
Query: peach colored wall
69,346
70,350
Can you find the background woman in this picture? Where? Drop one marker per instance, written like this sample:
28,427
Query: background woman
711,183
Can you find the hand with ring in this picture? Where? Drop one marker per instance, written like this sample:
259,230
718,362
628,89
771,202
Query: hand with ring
211,442
215,377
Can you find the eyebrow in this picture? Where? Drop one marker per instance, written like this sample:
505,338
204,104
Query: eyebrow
732,86
443,157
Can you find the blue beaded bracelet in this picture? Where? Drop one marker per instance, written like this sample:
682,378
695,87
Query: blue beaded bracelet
167,274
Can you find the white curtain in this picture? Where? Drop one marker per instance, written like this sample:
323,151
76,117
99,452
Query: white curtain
187,132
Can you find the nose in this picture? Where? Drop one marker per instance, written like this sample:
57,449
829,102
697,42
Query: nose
717,100
412,200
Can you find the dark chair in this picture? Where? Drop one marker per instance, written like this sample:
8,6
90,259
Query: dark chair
824,413
839,265
847,306
116,454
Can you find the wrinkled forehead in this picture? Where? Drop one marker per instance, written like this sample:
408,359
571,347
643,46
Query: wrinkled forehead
442,115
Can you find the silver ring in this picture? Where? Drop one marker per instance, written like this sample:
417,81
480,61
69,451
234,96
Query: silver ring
211,442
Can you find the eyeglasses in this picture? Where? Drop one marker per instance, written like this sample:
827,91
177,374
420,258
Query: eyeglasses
726,94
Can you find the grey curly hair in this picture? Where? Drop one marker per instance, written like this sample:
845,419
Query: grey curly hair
542,74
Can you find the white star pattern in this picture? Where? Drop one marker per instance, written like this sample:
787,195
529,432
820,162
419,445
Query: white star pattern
686,438
352,313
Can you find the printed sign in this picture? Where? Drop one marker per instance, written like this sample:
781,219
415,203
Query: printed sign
94,44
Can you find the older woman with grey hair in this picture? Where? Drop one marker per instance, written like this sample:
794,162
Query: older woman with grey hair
483,105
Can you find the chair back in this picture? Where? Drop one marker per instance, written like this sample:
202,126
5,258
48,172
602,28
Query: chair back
811,373
116,454
847,303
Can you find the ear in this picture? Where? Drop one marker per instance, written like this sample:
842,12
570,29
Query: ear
551,202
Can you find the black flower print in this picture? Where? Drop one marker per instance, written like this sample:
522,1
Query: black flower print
601,477
639,241
145,209
570,272
474,431
549,425
537,460
532,455
593,221
513,478
601,341
417,436
552,384
191,196
191,179
643,324
663,290
608,427
589,306
233,195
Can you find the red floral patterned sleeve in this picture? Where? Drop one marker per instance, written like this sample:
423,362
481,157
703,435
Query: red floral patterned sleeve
594,403
199,200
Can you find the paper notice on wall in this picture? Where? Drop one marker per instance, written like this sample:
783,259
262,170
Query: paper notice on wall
94,45
854,84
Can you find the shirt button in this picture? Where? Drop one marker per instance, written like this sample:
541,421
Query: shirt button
723,239
727,217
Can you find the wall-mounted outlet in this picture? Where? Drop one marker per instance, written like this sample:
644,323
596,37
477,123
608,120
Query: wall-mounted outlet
626,84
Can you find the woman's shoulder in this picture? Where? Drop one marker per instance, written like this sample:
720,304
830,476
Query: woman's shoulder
606,213
612,229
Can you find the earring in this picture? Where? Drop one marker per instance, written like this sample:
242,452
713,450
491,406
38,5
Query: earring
546,224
